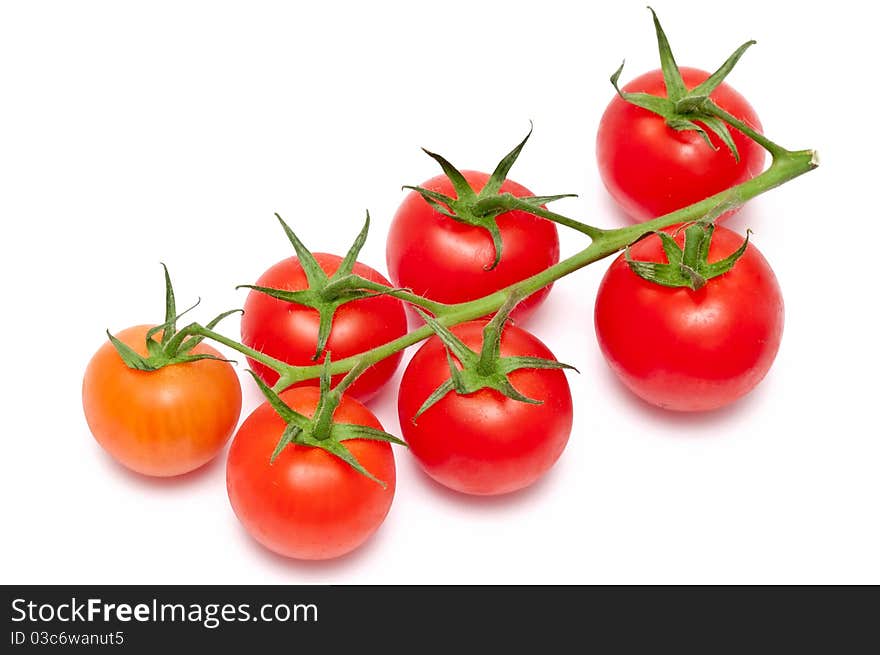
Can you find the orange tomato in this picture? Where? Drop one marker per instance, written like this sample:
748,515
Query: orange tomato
164,422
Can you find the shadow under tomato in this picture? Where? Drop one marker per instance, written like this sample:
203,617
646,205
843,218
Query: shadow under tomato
386,395
251,396
609,209
517,498
738,221
309,570
214,468
691,424
745,218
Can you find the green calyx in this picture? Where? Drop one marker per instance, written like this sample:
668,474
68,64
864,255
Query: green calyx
689,266
173,346
326,293
683,108
486,369
320,431
482,209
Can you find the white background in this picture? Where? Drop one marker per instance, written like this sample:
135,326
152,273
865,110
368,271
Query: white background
140,133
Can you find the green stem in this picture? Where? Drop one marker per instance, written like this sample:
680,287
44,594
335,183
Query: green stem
786,166
195,329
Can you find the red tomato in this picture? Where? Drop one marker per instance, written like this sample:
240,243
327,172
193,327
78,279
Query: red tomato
485,443
308,504
445,260
289,332
651,169
691,350
164,422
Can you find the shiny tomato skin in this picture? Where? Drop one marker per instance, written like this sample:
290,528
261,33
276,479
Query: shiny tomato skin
289,332
690,350
308,504
444,260
485,443
165,422
651,169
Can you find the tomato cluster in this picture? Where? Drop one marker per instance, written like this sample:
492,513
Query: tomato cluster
689,319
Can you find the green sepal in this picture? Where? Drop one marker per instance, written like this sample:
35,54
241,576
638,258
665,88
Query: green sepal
154,349
339,450
319,430
129,356
497,244
452,343
472,208
325,294
169,327
289,436
429,194
499,175
675,88
303,297
174,346
182,359
511,364
715,79
463,190
346,266
170,309
434,199
486,369
281,408
537,201
683,108
437,395
674,254
690,104
455,374
355,287
507,389
724,265
346,431
314,273
657,104
689,266
191,342
719,127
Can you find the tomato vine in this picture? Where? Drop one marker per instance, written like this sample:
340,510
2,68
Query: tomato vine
680,107
786,165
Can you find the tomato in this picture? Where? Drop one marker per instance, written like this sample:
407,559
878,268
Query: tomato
445,260
651,169
164,422
691,350
308,504
485,443
289,331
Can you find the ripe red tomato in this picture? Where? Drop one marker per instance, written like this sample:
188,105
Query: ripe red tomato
651,169
308,504
289,331
446,260
164,422
485,443
691,350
